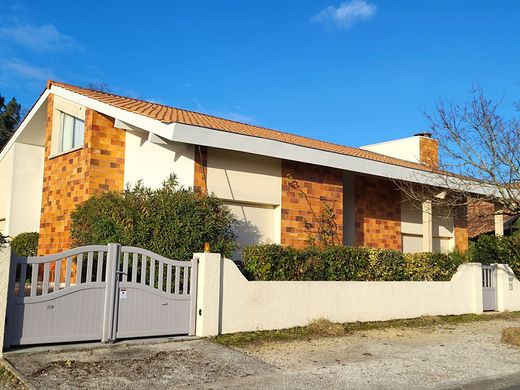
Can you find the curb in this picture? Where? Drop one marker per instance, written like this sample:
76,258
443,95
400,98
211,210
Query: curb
17,374
78,347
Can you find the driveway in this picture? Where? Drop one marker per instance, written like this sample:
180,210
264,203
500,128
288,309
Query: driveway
463,356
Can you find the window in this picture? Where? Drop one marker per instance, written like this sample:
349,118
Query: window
72,132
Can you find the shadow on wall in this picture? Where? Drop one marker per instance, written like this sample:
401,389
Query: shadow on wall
247,234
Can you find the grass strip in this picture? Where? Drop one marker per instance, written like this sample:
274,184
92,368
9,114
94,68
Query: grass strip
324,328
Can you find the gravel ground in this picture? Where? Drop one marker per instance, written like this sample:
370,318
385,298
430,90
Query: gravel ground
433,357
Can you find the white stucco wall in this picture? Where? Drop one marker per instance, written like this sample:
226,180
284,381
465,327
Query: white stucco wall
508,289
153,162
6,177
21,182
26,200
251,306
404,148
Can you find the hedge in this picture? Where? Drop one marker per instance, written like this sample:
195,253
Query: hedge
341,263
25,244
490,249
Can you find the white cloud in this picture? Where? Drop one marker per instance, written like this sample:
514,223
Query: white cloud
346,14
45,38
15,68
232,115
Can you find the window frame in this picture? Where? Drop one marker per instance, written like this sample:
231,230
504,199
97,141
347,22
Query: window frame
61,132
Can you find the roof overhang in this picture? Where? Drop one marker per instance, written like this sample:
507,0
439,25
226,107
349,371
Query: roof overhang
266,147
179,132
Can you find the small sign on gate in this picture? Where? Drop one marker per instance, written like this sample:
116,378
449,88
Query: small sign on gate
122,293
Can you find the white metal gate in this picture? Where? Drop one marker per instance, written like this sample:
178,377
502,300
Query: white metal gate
99,293
489,288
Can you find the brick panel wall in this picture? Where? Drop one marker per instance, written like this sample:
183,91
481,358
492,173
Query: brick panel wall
320,184
73,177
461,229
201,169
377,213
106,154
429,151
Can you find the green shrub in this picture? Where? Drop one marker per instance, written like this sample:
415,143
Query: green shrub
495,249
275,262
25,244
172,221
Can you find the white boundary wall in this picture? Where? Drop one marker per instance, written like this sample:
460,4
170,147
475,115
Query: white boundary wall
508,289
229,303
5,261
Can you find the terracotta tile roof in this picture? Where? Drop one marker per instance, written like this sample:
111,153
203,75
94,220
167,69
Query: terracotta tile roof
481,218
176,115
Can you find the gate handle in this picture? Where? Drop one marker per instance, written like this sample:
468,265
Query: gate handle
164,303
49,306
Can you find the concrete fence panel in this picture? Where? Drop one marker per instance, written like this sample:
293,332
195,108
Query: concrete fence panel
229,303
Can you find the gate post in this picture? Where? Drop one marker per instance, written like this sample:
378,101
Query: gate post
111,283
208,294
5,274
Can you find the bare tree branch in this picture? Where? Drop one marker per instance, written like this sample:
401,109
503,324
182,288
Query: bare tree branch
478,148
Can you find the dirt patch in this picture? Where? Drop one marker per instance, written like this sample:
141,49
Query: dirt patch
326,328
511,336
155,366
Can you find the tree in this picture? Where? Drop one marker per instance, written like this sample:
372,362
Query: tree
479,150
100,87
9,119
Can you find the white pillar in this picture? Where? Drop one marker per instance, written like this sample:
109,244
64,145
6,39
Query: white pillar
208,294
5,263
427,226
499,221
473,285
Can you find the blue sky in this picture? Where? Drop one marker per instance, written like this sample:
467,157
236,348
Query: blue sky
352,72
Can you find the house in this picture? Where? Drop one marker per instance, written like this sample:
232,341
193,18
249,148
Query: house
75,142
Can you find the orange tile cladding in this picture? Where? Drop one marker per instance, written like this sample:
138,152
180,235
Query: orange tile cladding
429,151
201,167
377,220
320,184
73,177
461,229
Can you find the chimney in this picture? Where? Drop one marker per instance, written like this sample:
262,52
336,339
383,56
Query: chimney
420,148
428,149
